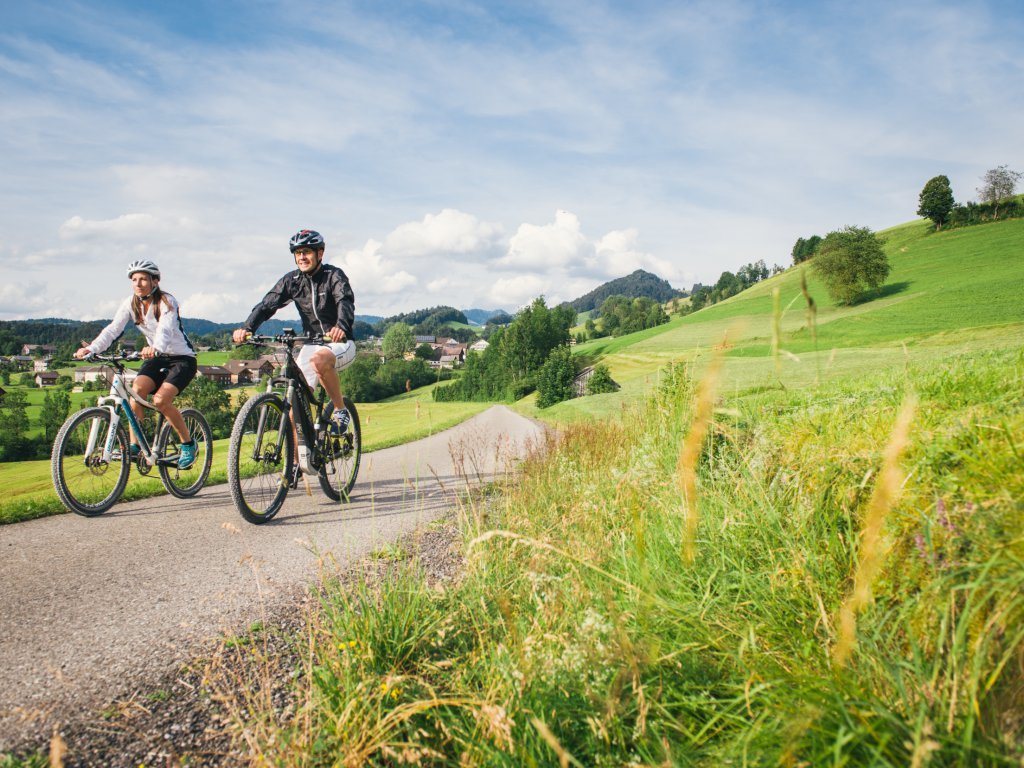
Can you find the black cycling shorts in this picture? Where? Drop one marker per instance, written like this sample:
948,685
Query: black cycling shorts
177,370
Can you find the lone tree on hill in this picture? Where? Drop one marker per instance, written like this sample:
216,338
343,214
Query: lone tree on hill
851,261
998,184
936,201
397,341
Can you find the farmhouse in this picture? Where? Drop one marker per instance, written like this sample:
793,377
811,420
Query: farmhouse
248,371
215,373
46,378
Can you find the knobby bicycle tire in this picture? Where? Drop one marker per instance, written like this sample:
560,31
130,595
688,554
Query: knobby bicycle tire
341,454
186,483
258,471
85,484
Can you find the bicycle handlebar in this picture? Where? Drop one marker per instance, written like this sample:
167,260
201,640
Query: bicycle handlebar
288,337
116,358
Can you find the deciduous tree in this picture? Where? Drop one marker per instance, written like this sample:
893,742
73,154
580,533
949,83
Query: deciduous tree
998,184
851,261
555,380
936,201
56,406
398,340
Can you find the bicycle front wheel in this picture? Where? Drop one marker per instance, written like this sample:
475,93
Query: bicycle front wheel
85,483
260,457
341,455
185,483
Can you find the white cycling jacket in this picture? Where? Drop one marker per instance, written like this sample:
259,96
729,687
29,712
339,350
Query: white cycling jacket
166,335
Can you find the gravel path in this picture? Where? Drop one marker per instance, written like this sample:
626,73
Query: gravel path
90,605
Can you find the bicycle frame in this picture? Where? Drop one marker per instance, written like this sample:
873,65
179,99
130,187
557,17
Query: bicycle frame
116,401
299,397
298,400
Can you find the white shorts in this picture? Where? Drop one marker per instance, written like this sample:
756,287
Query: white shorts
344,354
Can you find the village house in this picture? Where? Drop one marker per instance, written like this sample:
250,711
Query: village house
46,350
215,373
248,371
21,362
87,373
40,364
46,378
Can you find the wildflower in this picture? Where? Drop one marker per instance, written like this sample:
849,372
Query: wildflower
944,521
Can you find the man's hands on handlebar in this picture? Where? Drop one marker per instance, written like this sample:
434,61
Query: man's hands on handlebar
335,335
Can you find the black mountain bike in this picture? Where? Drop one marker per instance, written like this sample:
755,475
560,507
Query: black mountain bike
264,462
91,459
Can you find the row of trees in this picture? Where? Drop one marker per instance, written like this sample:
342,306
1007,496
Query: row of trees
729,284
620,315
508,368
995,194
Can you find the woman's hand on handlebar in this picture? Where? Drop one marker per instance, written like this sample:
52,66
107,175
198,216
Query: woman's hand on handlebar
240,336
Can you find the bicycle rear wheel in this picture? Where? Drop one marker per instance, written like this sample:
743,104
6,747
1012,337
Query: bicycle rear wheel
341,455
84,482
260,457
185,483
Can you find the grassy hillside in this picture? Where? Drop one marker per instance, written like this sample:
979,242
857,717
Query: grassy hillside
947,292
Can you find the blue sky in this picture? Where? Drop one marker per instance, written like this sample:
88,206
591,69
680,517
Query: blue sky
476,154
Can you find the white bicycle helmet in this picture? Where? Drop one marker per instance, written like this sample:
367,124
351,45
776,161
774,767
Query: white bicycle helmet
144,265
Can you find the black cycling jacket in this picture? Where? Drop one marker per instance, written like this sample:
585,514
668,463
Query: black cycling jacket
324,300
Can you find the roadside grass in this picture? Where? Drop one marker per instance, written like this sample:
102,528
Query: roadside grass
582,634
28,487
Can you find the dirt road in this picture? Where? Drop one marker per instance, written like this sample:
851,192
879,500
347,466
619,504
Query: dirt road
88,604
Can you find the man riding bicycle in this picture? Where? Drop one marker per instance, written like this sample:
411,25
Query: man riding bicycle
326,304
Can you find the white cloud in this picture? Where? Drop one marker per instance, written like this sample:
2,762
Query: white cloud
373,276
135,227
450,233
560,244
516,291
215,305
619,254
19,299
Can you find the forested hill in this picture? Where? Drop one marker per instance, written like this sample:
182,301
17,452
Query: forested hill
60,331
633,286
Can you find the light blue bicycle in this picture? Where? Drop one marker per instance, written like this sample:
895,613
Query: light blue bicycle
91,456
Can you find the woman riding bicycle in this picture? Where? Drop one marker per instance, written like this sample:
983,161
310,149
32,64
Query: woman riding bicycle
170,360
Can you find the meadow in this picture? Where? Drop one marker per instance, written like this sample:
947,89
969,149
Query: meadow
741,558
